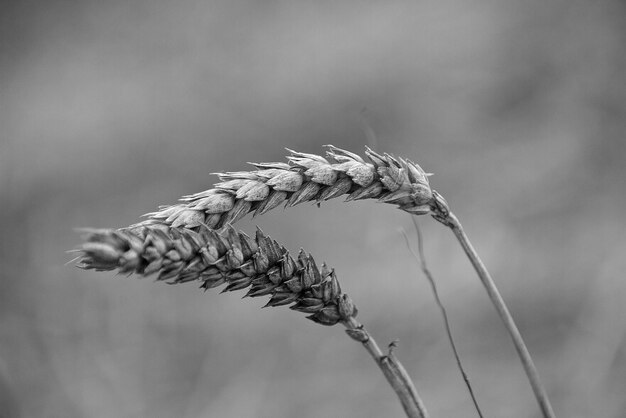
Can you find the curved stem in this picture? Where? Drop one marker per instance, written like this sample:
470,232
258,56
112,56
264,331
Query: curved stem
531,371
393,370
421,259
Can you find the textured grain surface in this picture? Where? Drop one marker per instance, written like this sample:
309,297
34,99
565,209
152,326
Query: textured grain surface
306,178
217,258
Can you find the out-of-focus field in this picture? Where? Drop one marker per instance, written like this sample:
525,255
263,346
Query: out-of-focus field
109,109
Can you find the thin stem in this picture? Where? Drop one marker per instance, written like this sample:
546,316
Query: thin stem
531,371
393,370
421,259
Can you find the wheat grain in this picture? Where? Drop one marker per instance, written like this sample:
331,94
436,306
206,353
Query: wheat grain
222,257
307,177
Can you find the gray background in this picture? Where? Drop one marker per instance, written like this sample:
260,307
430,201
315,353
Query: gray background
109,109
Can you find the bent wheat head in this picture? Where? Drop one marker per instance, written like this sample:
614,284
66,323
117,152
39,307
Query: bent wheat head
307,177
222,257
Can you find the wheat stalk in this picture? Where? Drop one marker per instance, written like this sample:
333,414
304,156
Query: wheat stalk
306,178
442,213
233,258
309,177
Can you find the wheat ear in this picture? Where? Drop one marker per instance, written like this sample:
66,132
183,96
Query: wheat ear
306,178
309,177
233,258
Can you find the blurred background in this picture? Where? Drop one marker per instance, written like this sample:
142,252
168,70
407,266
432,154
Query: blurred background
109,109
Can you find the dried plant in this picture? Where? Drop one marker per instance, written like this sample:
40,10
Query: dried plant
231,258
306,178
234,259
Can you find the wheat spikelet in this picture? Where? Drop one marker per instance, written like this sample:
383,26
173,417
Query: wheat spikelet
305,178
222,257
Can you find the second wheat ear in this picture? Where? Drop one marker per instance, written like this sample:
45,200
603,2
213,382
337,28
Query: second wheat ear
259,264
314,178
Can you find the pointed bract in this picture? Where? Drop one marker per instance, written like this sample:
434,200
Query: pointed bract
305,194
